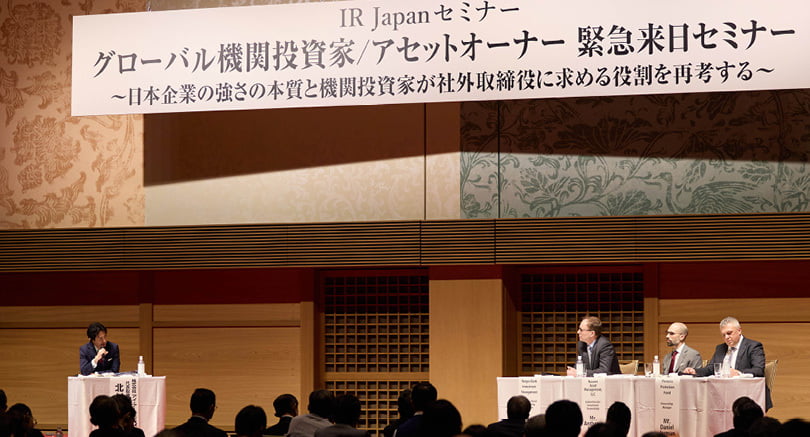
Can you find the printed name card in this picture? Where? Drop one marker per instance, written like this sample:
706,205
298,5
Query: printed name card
530,387
667,401
593,401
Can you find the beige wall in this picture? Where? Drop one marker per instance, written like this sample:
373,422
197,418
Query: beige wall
57,170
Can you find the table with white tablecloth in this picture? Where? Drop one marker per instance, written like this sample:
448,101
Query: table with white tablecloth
148,394
700,407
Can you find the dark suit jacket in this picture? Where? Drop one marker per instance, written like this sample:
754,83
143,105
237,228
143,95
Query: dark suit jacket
603,359
341,430
750,359
506,428
110,363
199,427
411,427
280,428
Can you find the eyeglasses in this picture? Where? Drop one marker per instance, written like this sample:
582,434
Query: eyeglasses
584,330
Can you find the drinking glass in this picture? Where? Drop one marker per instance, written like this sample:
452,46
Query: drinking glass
648,369
718,370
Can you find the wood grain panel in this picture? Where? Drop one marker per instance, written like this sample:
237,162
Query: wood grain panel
466,340
749,310
35,364
241,365
283,313
68,316
780,342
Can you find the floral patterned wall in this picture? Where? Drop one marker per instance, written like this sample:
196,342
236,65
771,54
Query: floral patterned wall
57,170
714,153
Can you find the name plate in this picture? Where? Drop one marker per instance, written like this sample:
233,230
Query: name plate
667,402
593,401
530,387
125,385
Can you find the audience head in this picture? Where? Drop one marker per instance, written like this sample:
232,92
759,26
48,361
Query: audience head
601,429
321,403
405,404
746,412
441,419
250,421
347,410
619,416
475,431
765,427
104,412
126,410
536,426
203,403
563,419
3,402
654,434
422,395
794,428
518,407
286,404
20,420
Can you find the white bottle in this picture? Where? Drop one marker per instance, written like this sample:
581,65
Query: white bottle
656,366
580,366
141,366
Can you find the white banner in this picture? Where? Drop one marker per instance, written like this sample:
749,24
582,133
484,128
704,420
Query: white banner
667,400
593,401
382,52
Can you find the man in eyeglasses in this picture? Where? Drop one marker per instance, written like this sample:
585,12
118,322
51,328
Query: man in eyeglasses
596,351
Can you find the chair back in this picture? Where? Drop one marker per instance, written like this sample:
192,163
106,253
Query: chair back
628,367
770,373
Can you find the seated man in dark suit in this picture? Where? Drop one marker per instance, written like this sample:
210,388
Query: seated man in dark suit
738,353
286,407
98,355
517,411
596,351
423,395
203,403
347,415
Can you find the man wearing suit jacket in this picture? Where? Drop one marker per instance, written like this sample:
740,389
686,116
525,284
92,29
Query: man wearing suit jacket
596,351
98,355
203,403
740,354
682,355
286,407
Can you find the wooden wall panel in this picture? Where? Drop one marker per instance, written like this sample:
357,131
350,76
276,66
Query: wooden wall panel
206,315
777,323
241,365
68,316
35,364
466,345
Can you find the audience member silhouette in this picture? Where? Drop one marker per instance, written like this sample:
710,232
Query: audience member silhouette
517,411
250,421
746,412
321,404
654,434
5,431
405,410
601,429
563,419
536,426
203,403
286,407
423,395
104,413
22,422
475,431
794,428
619,416
347,416
441,419
127,420
764,427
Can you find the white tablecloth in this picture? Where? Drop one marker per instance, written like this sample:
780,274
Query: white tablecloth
148,393
704,403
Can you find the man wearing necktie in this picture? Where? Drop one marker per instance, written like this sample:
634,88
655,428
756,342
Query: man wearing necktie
681,356
597,352
740,354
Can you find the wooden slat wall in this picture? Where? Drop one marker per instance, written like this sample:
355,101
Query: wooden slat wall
778,323
247,354
414,243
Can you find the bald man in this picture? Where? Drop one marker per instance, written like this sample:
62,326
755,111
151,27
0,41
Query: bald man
681,356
